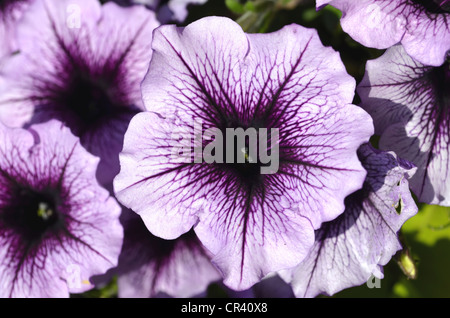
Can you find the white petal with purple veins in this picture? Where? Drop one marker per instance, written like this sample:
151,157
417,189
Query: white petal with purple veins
212,71
421,26
58,227
410,105
150,266
354,246
82,63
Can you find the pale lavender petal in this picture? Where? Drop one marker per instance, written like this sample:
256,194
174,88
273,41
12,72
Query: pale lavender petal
150,266
271,286
427,36
81,63
58,227
422,26
356,245
11,12
211,70
410,106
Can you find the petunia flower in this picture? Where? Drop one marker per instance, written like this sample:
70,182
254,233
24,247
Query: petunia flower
150,266
352,249
58,226
410,104
81,63
252,211
167,10
10,13
421,26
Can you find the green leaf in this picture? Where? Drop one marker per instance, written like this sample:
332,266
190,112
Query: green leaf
250,6
309,14
431,224
235,6
405,288
427,235
333,10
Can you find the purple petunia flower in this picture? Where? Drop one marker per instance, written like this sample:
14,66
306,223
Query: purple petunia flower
421,26
410,104
58,226
150,266
354,246
10,13
288,89
81,63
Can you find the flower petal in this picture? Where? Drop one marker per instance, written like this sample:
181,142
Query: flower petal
410,106
211,70
351,248
150,266
49,157
424,32
74,54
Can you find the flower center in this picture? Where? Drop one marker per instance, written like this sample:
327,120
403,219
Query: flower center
4,4
88,99
32,213
248,152
248,167
440,79
434,6
45,211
